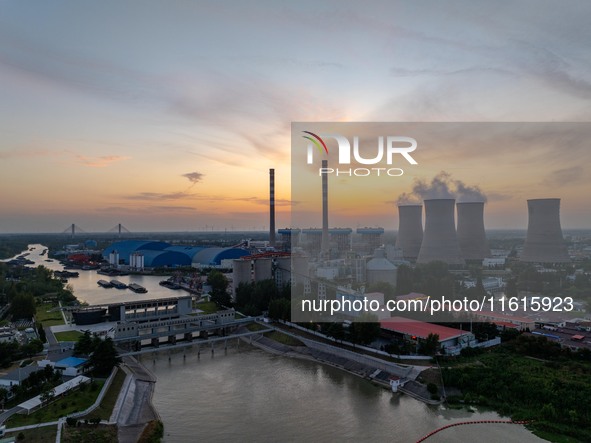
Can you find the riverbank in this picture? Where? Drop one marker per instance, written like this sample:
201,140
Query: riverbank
371,369
134,410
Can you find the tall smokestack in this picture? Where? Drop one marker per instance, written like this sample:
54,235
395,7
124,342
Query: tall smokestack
324,244
440,242
410,230
471,235
272,207
544,242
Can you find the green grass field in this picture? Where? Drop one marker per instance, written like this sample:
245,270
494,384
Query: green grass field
106,407
255,327
48,318
90,434
46,434
207,307
72,402
283,339
68,335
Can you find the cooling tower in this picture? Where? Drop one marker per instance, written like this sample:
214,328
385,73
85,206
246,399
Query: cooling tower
440,242
410,230
471,235
272,207
544,242
325,240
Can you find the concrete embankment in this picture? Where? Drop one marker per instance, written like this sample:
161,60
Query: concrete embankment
376,370
134,409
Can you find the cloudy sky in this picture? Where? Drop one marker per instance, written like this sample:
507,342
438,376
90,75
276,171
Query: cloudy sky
168,115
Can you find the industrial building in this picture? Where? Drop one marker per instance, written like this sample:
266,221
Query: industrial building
470,231
140,310
351,298
339,240
380,270
289,238
440,242
410,230
370,239
414,330
544,242
153,254
279,266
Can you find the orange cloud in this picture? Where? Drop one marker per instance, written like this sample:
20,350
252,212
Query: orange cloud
101,162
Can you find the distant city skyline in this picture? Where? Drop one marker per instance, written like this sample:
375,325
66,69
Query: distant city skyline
166,116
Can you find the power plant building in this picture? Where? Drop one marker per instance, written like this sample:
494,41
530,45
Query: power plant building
440,242
544,242
380,270
410,230
370,239
470,231
290,238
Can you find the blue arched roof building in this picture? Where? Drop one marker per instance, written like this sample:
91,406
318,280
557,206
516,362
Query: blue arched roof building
157,259
214,256
161,254
127,247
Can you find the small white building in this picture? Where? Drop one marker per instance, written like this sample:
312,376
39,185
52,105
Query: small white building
71,366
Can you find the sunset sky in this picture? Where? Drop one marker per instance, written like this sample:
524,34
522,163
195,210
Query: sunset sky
168,115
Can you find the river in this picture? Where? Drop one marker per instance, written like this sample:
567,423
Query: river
245,394
87,290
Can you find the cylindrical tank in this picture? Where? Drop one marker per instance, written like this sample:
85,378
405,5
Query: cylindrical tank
240,273
263,269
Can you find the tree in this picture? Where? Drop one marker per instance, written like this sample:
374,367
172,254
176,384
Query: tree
280,309
22,306
84,345
33,347
404,280
104,357
41,332
219,286
430,344
3,396
365,330
47,393
336,331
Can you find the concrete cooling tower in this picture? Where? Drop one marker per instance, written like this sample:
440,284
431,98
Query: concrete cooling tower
410,230
544,242
439,240
471,235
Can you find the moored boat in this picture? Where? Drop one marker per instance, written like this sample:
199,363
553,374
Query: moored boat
137,288
105,283
118,284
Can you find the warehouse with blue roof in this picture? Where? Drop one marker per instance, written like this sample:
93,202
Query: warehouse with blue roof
161,254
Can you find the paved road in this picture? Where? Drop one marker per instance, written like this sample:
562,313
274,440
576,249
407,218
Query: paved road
7,414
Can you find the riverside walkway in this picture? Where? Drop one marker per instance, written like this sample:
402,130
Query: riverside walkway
474,422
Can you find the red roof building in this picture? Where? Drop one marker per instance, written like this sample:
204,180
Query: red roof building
415,329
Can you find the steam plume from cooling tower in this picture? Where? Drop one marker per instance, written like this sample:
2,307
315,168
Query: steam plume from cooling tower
442,186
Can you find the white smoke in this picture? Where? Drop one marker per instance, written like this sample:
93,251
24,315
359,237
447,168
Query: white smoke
441,186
